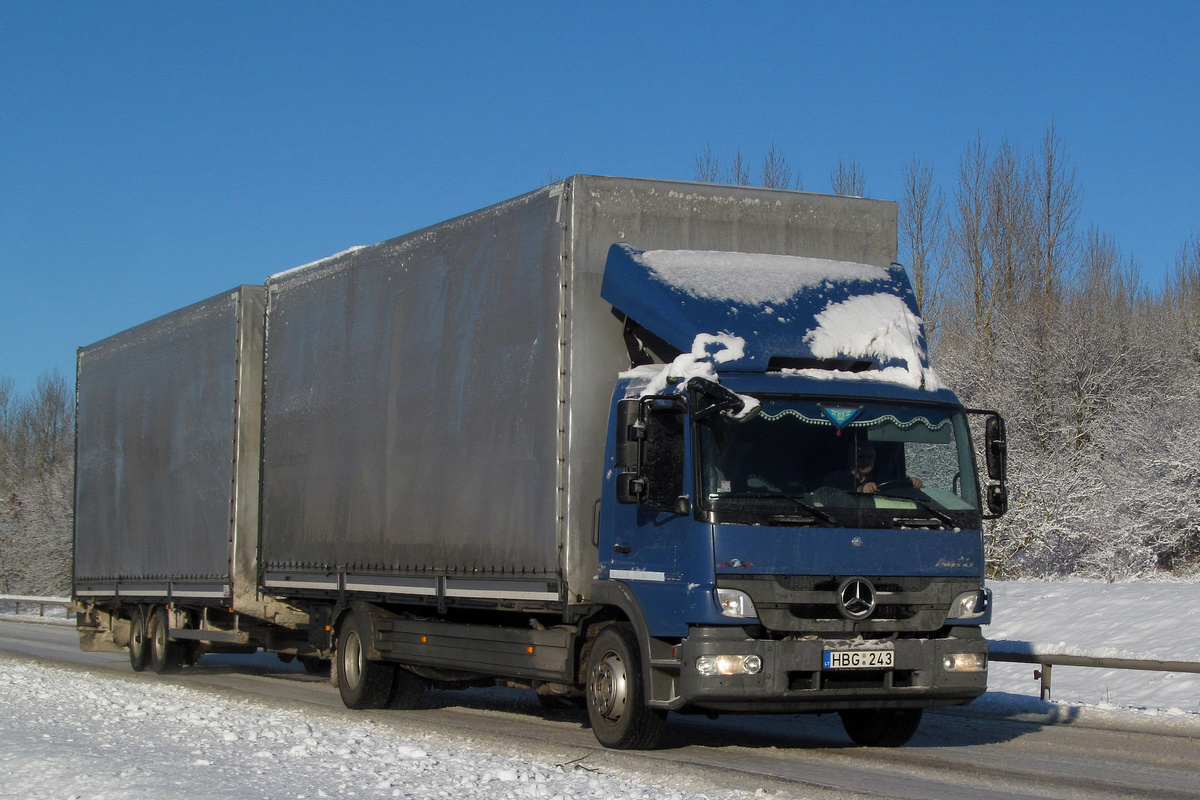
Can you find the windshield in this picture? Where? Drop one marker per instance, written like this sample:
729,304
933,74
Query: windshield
832,463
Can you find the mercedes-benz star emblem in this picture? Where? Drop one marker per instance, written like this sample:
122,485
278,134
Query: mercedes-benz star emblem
857,598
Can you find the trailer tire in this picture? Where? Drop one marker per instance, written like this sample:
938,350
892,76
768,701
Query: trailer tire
166,656
881,727
362,683
616,696
139,652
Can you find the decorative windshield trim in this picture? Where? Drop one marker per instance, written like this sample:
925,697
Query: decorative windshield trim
858,422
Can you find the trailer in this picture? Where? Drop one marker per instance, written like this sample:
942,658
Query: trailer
607,440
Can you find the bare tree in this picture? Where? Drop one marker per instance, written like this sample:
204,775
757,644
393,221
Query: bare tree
708,166
776,172
1055,210
972,278
922,235
847,179
7,461
1008,229
48,419
739,171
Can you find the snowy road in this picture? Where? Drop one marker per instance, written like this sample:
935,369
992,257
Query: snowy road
956,754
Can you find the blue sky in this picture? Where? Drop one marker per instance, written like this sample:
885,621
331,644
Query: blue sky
155,154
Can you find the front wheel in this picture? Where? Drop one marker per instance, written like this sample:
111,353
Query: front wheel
881,727
362,683
616,697
407,690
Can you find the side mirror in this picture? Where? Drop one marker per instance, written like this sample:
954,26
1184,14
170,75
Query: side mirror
996,448
649,448
997,499
631,487
683,505
630,431
720,399
995,454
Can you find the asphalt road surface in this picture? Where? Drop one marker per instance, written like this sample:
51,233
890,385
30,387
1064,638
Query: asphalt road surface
956,755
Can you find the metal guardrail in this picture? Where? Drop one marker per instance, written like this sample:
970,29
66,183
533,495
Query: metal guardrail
1018,652
18,600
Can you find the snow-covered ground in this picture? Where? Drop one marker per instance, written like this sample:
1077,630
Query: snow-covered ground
108,738
1127,620
113,738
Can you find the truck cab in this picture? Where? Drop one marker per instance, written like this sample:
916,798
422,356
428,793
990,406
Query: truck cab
797,539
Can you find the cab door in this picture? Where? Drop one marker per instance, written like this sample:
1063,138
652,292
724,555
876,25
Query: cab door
653,531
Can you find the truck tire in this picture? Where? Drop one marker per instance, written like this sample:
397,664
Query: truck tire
138,650
407,690
362,683
881,727
616,698
166,656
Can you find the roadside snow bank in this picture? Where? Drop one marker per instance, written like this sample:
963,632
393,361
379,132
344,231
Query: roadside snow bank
1159,621
68,735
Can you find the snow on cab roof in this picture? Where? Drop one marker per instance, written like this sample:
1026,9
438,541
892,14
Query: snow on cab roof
792,312
751,278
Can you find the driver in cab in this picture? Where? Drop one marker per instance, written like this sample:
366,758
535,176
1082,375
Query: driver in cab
862,478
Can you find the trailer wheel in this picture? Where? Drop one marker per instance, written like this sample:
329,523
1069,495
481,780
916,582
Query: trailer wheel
138,651
362,683
881,727
166,656
616,698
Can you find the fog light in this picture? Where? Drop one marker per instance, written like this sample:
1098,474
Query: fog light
729,665
965,662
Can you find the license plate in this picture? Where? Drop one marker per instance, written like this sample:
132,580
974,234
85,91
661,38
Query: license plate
860,659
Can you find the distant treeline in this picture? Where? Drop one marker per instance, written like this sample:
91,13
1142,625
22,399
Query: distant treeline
36,475
1049,322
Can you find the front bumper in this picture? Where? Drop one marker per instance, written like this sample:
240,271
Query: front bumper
792,679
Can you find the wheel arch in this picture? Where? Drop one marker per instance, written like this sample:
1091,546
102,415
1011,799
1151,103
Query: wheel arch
618,603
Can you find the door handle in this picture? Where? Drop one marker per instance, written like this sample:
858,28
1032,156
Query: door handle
623,548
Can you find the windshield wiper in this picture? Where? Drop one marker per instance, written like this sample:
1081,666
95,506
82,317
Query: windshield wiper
816,513
928,509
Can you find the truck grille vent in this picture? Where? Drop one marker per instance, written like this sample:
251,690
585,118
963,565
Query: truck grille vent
814,611
822,583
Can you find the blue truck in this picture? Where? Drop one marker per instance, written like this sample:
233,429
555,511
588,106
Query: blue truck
647,446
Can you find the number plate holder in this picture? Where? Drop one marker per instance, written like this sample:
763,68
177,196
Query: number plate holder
874,658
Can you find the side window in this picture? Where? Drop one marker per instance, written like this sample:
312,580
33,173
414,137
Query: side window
662,457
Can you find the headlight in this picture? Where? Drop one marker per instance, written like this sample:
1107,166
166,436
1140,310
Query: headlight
729,665
734,603
965,662
969,605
